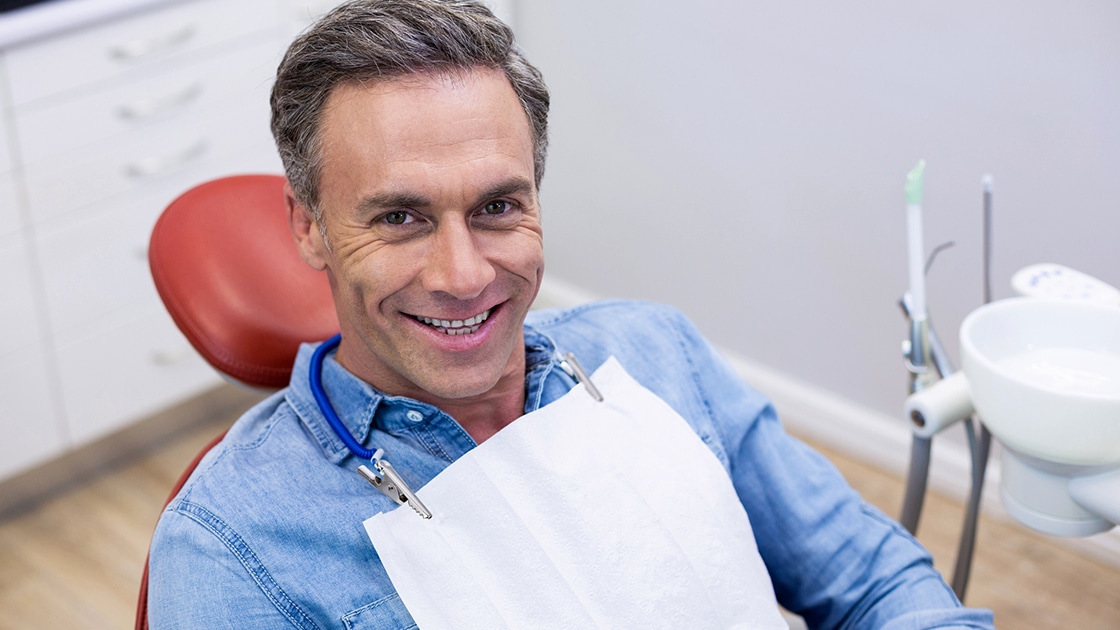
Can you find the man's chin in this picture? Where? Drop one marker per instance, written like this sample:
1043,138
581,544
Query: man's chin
455,385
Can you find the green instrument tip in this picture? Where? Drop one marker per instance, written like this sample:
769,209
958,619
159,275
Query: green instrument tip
914,184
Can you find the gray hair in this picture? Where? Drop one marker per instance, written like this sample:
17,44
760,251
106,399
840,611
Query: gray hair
372,40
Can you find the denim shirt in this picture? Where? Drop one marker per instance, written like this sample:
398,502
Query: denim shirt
268,531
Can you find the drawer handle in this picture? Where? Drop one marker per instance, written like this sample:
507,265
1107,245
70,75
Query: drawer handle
140,48
150,107
157,165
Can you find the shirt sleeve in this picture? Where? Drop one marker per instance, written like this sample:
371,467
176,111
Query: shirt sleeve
197,577
834,559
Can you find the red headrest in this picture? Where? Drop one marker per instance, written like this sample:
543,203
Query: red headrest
226,266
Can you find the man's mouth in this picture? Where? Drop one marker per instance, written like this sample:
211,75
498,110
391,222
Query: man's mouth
456,326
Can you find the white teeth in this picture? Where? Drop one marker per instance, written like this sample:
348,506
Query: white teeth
457,326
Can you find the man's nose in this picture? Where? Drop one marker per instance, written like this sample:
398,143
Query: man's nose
456,265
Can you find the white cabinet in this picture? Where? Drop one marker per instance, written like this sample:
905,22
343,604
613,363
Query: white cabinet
128,47
190,117
19,322
29,424
139,364
103,126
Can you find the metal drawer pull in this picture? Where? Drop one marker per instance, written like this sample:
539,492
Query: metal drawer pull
149,107
157,165
140,48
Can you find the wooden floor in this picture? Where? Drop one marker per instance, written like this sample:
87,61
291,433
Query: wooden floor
1028,580
75,561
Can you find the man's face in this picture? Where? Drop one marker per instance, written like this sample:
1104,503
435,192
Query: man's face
433,234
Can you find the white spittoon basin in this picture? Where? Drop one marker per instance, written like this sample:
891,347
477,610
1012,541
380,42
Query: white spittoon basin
1044,376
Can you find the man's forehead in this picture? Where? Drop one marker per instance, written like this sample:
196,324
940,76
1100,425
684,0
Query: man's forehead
426,132
431,104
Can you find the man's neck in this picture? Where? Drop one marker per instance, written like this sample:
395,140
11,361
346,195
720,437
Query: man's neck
482,418
483,415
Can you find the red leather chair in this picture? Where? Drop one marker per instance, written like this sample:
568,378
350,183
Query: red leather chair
228,271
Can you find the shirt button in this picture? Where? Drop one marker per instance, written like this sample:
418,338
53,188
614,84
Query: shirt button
414,415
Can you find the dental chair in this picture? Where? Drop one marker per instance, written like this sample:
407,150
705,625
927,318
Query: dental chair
227,269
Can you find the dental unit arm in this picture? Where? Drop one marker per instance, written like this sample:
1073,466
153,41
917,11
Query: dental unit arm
1043,371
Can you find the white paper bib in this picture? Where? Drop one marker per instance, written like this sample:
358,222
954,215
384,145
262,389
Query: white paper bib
582,514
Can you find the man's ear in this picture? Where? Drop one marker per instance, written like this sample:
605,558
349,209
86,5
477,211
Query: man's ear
309,240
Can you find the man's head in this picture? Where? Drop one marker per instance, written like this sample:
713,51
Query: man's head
376,40
414,160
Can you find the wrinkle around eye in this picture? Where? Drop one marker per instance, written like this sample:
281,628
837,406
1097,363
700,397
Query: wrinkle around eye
357,247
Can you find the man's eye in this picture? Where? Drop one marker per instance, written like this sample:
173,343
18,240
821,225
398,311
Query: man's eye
496,207
397,217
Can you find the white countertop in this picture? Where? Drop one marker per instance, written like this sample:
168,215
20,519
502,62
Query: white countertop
46,18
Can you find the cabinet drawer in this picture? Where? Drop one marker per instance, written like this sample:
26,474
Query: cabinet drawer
96,268
131,46
18,322
192,94
174,155
29,427
114,377
9,206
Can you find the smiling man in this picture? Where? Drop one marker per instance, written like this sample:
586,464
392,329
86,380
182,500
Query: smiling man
413,135
431,238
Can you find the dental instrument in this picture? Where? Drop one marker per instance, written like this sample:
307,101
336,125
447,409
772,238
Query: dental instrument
916,349
979,448
923,430
1028,366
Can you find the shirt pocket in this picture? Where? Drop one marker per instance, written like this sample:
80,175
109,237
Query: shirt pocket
385,613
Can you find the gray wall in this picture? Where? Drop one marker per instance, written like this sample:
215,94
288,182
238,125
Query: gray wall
745,162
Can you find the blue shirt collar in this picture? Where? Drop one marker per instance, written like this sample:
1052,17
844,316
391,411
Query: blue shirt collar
360,405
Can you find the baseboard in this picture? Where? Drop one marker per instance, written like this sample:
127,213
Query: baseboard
32,487
865,434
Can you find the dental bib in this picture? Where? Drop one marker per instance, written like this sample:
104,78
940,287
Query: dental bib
582,514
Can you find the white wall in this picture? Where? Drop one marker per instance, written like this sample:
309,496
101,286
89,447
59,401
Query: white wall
745,162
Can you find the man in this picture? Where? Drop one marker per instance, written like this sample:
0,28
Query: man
413,135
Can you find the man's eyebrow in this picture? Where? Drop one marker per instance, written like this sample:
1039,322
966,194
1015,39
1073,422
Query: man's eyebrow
512,186
393,200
